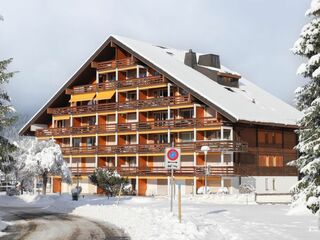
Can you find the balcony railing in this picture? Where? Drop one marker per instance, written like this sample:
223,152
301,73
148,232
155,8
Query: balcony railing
127,127
215,146
198,171
138,104
136,82
107,65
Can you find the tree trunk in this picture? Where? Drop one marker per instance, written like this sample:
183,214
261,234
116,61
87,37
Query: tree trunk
21,187
44,182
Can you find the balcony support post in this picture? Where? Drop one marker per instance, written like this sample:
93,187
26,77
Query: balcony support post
222,158
117,74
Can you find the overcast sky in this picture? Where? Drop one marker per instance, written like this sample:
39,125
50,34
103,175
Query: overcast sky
50,40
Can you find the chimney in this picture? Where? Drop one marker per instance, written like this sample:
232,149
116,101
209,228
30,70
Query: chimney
190,59
209,60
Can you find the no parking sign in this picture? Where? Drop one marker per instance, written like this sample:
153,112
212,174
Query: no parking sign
172,158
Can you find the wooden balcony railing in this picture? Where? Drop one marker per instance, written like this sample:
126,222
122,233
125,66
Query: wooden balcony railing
127,127
107,65
136,82
215,146
138,104
198,171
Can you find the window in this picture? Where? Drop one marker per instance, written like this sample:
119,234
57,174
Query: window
61,123
227,134
183,92
160,93
131,117
273,184
131,74
142,73
186,113
85,121
270,161
186,136
91,121
65,142
131,96
111,77
160,116
110,140
161,138
76,142
269,137
91,141
266,184
210,113
109,162
102,77
213,135
131,139
131,161
111,118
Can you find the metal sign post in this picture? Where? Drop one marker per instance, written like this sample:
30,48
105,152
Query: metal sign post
179,204
172,162
172,191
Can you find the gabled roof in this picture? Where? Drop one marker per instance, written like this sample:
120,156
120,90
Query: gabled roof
248,103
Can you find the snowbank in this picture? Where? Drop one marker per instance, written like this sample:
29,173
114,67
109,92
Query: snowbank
3,225
143,223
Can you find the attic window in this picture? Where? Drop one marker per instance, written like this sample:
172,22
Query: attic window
170,53
229,89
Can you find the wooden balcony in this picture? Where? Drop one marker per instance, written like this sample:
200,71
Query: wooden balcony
138,104
108,65
197,171
215,146
130,127
112,85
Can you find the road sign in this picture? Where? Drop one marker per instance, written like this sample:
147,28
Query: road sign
172,158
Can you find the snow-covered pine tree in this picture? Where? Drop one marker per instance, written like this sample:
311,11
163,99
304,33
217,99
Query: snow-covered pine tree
307,190
6,116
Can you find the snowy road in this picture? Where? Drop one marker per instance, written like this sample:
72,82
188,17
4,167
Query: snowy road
29,223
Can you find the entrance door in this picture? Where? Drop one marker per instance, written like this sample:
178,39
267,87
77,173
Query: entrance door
56,185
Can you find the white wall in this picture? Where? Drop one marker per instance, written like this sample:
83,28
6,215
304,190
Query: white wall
264,184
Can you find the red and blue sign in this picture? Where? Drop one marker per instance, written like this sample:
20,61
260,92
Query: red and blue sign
172,158
172,154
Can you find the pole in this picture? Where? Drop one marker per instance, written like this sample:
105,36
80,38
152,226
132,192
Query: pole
205,173
77,174
179,204
171,200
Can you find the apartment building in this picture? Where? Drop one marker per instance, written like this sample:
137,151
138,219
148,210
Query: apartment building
131,99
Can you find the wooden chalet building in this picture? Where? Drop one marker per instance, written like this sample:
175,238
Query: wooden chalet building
132,99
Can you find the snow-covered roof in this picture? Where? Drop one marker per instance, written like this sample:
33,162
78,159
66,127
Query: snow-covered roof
246,103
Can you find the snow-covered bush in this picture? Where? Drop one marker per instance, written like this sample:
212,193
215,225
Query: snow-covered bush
246,188
40,158
108,180
307,190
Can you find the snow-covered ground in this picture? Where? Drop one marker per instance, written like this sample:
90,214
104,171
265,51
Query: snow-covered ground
214,217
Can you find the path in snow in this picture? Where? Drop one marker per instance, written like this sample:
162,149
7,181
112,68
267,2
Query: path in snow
35,223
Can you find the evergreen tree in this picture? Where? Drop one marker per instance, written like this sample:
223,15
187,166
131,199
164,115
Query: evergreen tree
6,116
108,180
307,190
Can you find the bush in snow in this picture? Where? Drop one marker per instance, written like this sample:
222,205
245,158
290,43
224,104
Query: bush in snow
108,180
40,158
307,189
